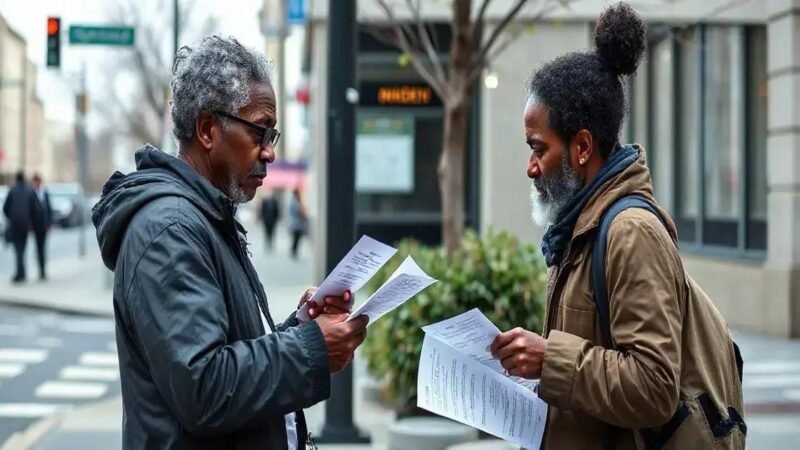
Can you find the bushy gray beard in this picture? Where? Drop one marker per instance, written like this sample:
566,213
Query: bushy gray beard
559,188
235,192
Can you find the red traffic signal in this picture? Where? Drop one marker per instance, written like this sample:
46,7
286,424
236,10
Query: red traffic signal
53,26
53,42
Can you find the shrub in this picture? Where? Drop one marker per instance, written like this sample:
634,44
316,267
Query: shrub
495,273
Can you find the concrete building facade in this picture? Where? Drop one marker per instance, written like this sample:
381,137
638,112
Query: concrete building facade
22,121
716,104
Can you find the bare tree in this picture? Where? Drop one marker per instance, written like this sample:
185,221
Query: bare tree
149,63
454,83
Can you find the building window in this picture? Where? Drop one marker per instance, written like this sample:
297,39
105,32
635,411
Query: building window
723,152
663,139
688,151
756,154
705,115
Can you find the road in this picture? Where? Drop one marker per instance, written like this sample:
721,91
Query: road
50,362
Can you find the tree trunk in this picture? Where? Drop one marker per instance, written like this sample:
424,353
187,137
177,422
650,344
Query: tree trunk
456,114
451,174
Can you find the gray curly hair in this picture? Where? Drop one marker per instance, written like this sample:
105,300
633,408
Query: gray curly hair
214,75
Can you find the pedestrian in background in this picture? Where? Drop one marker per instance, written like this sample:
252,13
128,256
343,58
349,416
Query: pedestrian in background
270,214
202,363
42,223
20,208
298,220
633,355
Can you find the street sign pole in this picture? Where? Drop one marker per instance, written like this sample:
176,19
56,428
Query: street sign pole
339,427
82,148
118,36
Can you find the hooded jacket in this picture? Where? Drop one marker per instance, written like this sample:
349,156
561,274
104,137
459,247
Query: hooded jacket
197,370
671,381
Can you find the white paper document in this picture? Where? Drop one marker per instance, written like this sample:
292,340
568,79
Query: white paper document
459,379
407,281
360,264
472,333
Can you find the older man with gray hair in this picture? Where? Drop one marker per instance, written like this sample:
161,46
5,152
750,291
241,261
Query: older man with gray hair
202,364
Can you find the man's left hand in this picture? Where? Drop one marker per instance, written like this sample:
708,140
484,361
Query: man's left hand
332,304
521,352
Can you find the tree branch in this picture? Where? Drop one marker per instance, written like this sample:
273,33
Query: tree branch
425,39
479,19
481,61
416,60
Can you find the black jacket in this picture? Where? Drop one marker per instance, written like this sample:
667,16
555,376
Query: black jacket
20,207
43,218
197,371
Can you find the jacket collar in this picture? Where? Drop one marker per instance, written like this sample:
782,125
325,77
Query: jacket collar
635,179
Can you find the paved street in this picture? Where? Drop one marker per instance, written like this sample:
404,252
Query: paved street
52,362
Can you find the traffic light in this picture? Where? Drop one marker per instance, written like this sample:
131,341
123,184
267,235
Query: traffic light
53,42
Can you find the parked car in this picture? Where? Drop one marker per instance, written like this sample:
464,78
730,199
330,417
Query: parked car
69,207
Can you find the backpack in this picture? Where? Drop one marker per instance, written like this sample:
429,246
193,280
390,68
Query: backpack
598,277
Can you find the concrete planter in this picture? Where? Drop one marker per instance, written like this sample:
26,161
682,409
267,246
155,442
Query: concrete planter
429,433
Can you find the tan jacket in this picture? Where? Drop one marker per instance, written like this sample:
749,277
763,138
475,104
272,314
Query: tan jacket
672,345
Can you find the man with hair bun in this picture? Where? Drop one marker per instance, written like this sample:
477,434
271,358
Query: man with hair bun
202,364
633,355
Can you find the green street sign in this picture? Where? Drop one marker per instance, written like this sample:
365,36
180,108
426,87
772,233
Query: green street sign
115,35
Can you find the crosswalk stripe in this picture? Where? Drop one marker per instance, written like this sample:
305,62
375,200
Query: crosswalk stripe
49,342
11,330
88,373
792,394
30,410
10,370
87,326
69,389
771,381
23,355
766,367
99,359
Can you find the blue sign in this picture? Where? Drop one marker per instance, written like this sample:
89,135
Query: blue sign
296,12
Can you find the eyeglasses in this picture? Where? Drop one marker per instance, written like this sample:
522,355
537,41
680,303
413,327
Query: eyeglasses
269,136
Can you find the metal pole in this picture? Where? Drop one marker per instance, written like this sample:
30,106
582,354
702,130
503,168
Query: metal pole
83,159
176,17
281,94
339,427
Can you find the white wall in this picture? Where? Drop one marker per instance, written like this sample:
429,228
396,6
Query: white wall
505,187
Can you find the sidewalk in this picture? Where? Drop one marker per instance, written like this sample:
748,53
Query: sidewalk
75,284
82,285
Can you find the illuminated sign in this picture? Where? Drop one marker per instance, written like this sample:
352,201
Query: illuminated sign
397,94
404,95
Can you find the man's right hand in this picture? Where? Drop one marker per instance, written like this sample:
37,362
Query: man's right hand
341,338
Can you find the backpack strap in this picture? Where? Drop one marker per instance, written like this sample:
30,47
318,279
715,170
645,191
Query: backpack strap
598,268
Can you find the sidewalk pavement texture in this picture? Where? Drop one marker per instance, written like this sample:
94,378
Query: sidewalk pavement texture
82,285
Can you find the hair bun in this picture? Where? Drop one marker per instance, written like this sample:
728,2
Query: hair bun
620,38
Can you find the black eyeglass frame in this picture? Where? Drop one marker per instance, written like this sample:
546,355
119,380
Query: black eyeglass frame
269,136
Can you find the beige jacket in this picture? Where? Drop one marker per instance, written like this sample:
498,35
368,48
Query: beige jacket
673,349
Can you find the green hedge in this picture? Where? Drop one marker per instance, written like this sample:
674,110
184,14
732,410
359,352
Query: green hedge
494,273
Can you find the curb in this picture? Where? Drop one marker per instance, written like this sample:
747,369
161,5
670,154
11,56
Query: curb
59,308
27,438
